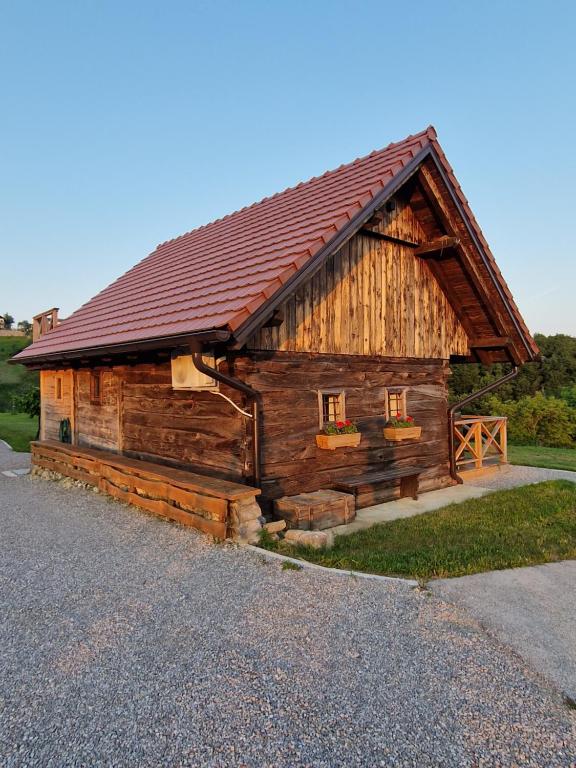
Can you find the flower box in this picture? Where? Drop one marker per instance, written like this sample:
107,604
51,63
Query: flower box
402,433
331,442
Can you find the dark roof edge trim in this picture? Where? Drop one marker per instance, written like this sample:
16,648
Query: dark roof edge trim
160,342
259,317
486,260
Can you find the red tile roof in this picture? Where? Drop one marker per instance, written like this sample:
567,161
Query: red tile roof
216,276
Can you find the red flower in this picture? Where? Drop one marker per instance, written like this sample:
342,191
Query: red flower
398,415
348,423
339,424
409,418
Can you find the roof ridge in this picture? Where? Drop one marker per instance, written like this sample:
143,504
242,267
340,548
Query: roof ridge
429,132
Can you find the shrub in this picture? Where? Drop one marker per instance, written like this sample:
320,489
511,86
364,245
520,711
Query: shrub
568,394
27,402
537,420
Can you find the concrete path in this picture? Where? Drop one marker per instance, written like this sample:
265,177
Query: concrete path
393,510
12,463
531,609
502,478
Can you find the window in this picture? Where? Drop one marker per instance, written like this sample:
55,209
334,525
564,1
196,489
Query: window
331,406
96,388
396,403
58,388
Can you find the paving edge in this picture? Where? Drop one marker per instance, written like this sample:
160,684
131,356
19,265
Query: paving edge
6,444
335,571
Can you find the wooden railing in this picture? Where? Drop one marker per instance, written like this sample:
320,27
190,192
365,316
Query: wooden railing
480,441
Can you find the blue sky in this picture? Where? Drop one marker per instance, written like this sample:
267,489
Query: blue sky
126,123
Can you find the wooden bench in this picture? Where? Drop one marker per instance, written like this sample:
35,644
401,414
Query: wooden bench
408,477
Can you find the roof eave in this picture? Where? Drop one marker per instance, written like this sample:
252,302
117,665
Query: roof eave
262,314
216,336
527,340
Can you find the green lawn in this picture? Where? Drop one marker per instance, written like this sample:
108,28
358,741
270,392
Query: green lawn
13,378
524,526
17,429
550,458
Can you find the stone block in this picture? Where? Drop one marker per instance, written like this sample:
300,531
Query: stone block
275,526
312,539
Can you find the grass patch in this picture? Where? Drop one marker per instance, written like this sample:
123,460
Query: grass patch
288,565
549,458
13,378
17,429
507,529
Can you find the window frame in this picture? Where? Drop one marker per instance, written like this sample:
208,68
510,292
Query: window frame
95,389
333,391
401,391
58,388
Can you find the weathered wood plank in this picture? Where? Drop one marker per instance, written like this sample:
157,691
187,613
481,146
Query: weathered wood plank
375,284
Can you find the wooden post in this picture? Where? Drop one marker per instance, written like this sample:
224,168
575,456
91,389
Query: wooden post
503,441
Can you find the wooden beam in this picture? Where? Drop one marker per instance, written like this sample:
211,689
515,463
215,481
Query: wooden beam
491,342
436,247
499,319
389,238
275,320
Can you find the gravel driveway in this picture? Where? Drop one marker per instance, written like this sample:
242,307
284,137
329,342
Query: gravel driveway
511,476
127,641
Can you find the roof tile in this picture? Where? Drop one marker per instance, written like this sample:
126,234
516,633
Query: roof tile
216,276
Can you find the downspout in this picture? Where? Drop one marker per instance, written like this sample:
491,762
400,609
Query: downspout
254,416
457,406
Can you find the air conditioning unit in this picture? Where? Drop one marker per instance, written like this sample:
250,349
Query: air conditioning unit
186,376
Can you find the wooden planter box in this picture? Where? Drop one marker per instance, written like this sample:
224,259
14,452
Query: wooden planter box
331,442
402,433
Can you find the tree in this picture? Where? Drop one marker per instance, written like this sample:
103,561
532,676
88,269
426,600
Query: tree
8,321
552,374
25,327
28,402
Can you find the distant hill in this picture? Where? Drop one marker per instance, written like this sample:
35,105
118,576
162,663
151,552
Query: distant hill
13,378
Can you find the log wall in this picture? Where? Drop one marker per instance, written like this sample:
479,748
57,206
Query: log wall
97,426
142,417
372,297
196,428
289,383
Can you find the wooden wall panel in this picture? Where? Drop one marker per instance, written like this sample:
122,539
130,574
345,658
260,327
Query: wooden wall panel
97,425
143,417
289,383
371,298
199,430
53,409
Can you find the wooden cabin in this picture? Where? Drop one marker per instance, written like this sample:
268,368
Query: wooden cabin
225,351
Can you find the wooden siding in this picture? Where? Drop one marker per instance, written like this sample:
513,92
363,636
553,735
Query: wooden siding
197,429
97,425
372,297
202,432
53,409
292,463
142,416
